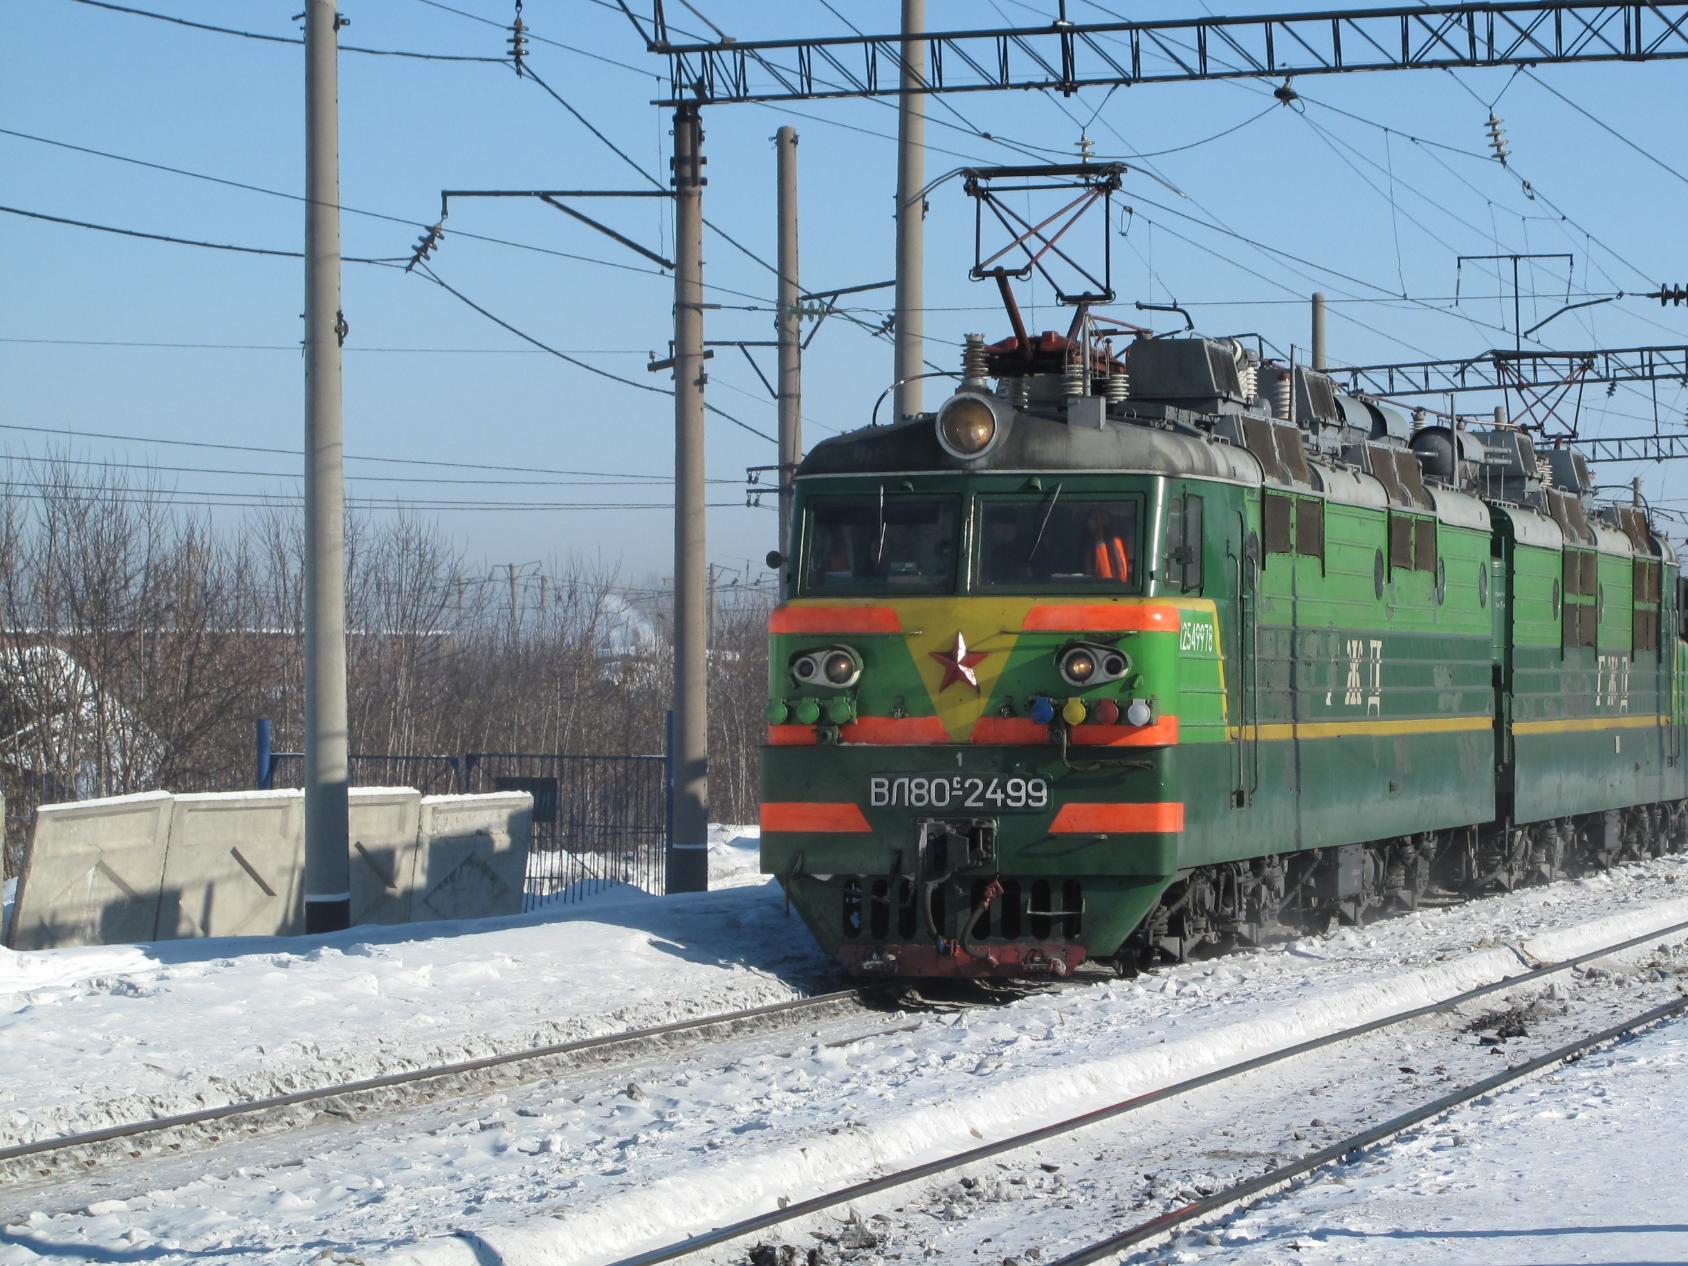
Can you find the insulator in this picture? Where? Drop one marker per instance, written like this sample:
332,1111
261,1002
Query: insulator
973,364
1672,296
1281,395
1076,381
1119,384
518,41
1019,392
426,244
1497,138
1544,472
1248,376
1419,419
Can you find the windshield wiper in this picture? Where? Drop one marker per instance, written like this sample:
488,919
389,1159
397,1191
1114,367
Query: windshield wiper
879,545
1049,510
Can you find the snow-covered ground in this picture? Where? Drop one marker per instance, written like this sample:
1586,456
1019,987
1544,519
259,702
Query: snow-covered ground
1587,1164
588,1168
111,1034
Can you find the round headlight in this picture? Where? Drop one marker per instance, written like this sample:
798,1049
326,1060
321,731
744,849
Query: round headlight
1078,665
1115,664
840,668
966,426
804,669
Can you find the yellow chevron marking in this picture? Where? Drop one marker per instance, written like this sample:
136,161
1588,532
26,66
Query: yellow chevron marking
990,625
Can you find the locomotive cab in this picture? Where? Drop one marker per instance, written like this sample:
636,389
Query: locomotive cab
977,686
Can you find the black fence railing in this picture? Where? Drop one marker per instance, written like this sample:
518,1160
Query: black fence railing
600,823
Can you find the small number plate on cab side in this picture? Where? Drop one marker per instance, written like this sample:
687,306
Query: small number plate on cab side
956,791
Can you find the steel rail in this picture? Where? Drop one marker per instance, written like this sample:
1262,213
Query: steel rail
1285,1174
856,1191
417,1076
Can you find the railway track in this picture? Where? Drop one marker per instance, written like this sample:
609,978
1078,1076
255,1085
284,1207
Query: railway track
1161,1225
1241,1195
350,1101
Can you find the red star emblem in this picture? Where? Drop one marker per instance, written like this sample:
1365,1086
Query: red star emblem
958,664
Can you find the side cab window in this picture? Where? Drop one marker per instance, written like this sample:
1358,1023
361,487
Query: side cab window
1182,565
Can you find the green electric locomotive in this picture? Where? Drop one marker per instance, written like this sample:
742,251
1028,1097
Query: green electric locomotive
1114,656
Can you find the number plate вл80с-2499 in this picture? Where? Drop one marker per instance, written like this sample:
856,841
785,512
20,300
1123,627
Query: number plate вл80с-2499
956,791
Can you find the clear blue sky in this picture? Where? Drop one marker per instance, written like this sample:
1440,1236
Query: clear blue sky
1353,193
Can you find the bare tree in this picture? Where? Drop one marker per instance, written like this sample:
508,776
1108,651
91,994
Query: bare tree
140,642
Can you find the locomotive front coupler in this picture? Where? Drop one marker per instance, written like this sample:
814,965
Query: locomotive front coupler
944,847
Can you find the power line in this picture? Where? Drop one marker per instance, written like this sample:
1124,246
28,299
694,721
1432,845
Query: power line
604,480
392,261
374,215
285,39
294,347
540,39
217,498
294,452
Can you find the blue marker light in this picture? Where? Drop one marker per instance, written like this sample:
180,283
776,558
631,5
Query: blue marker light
1042,710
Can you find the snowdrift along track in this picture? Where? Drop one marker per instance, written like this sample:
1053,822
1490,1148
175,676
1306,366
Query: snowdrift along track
799,1209
45,1156
1267,1183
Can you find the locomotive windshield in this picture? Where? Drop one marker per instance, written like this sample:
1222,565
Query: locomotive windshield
878,544
1060,542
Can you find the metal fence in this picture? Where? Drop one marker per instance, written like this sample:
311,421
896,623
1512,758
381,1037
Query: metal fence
599,822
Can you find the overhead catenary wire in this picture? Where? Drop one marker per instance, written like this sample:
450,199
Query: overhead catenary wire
423,270
433,3
1523,183
1616,133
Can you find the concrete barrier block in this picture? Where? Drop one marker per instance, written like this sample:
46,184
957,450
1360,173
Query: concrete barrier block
91,875
235,865
472,861
384,825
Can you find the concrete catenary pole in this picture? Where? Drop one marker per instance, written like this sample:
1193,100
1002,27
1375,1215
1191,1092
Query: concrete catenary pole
1319,361
688,857
789,327
328,897
911,213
